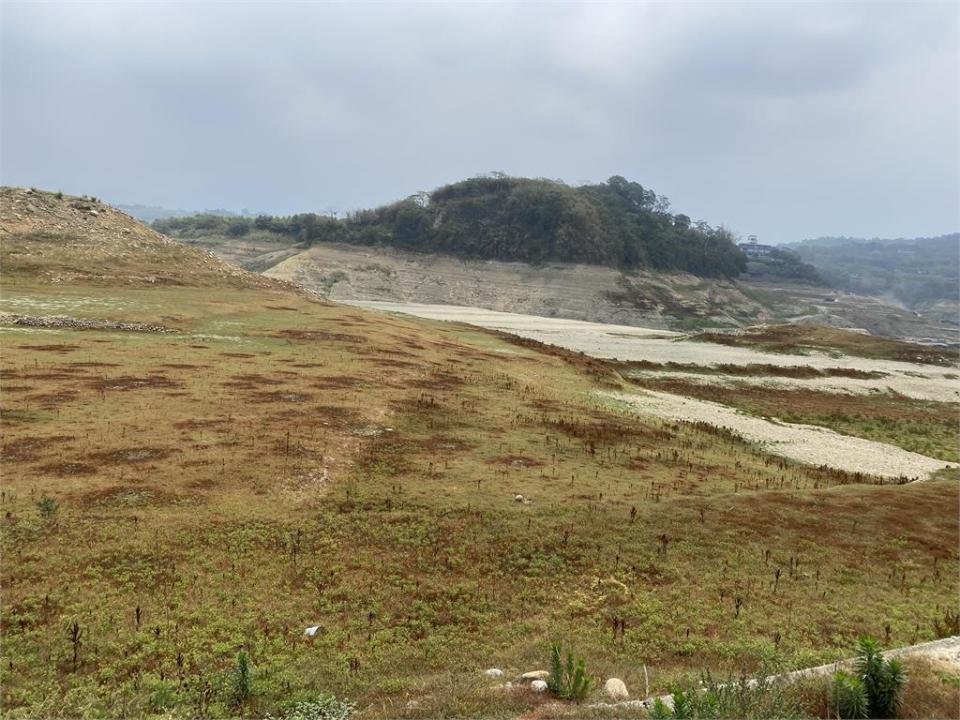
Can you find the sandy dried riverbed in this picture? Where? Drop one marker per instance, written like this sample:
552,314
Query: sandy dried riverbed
623,342
804,443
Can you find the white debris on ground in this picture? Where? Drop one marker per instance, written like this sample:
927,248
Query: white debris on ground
625,342
803,443
311,631
493,673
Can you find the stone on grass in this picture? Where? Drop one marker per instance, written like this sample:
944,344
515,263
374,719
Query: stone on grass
493,673
615,689
539,686
311,631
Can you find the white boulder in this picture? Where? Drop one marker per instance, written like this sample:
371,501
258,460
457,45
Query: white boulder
493,673
535,675
311,631
518,498
539,686
615,689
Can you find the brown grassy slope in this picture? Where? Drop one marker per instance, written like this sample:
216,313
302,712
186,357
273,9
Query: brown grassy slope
798,338
56,238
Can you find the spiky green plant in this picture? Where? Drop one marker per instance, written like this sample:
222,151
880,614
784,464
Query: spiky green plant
848,696
48,507
660,710
883,680
242,687
568,680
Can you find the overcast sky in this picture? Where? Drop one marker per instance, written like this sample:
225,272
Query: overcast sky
787,120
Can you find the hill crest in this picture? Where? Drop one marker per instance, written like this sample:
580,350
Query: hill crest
58,238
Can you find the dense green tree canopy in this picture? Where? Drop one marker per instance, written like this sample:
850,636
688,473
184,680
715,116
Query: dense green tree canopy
497,217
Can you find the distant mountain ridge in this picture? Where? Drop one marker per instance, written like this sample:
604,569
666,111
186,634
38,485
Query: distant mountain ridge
152,213
921,273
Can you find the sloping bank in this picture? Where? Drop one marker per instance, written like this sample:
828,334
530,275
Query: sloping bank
803,443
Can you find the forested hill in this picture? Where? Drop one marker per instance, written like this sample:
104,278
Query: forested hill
617,223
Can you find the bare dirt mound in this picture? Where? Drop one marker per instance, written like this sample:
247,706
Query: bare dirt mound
57,238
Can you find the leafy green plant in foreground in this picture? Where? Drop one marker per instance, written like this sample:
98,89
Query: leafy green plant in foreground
883,680
47,507
848,696
568,680
743,697
242,687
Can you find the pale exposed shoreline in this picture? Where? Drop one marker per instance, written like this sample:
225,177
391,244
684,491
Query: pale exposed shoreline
803,443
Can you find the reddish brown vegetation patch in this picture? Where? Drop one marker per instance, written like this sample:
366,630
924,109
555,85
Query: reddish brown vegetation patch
129,382
250,382
599,370
66,469
390,362
517,461
442,443
791,338
50,348
131,455
127,496
199,424
801,372
281,396
337,382
606,431
54,399
438,381
319,336
29,448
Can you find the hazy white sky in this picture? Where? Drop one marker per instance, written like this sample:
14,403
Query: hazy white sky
787,120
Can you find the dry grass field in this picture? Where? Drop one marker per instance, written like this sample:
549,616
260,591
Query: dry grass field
170,499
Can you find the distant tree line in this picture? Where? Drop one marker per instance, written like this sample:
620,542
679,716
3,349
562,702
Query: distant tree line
783,264
917,271
497,217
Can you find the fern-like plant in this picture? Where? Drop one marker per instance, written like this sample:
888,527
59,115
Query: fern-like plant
568,680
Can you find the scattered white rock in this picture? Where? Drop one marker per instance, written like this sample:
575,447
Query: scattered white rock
493,673
539,686
311,631
518,498
535,675
615,689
